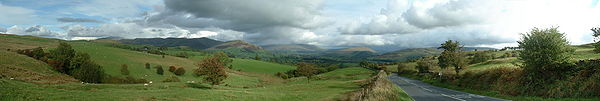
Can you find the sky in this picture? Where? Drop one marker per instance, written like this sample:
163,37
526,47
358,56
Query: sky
325,23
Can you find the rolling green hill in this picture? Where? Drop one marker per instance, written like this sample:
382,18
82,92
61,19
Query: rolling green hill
255,81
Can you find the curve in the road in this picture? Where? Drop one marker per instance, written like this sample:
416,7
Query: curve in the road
421,91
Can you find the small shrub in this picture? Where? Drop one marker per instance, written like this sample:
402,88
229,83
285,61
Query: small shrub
159,70
124,70
147,65
171,79
180,71
126,80
172,69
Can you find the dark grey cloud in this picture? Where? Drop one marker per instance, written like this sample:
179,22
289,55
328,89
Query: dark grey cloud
265,21
68,19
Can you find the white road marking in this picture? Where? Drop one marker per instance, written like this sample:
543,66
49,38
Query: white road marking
453,97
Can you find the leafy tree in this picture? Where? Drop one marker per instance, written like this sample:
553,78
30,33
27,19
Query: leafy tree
172,69
213,68
86,70
62,55
124,70
452,56
159,70
147,65
545,54
596,35
180,71
306,69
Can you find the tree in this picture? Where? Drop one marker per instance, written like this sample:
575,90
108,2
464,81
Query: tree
62,55
452,56
213,68
124,70
306,69
147,65
180,71
172,69
159,70
545,54
86,70
596,35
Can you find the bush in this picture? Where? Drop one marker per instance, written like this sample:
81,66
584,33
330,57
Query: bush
424,64
282,75
172,69
126,80
82,68
480,57
124,70
180,71
545,54
62,56
147,65
171,79
159,70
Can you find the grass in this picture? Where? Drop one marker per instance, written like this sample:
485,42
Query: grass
296,89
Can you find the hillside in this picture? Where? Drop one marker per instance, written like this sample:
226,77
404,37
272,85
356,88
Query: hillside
293,47
255,81
408,54
196,43
236,44
354,49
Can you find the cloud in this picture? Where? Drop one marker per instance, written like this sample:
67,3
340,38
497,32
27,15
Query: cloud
16,15
67,19
264,21
37,30
404,17
113,8
2,29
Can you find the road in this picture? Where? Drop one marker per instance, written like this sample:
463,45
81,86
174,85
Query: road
421,91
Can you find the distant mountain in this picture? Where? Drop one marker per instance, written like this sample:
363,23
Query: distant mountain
413,53
196,43
111,38
407,54
236,44
477,48
293,47
354,49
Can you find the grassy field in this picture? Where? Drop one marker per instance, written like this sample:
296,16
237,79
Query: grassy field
332,87
255,81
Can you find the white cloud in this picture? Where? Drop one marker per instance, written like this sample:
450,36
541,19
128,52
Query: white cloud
36,30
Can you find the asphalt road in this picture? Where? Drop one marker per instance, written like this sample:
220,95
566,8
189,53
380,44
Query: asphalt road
421,91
